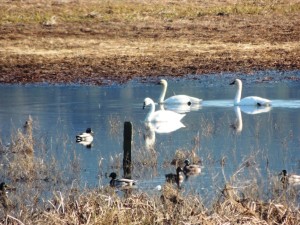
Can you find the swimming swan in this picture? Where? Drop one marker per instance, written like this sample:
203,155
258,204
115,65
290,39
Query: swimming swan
251,100
160,115
176,99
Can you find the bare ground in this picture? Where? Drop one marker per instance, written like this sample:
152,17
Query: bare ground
100,50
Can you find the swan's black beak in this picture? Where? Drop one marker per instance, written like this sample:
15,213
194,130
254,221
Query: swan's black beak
232,83
144,105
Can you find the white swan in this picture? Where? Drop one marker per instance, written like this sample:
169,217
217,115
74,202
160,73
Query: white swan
251,100
164,127
176,99
160,115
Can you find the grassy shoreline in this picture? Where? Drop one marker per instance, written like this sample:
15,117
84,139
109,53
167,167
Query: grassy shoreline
44,194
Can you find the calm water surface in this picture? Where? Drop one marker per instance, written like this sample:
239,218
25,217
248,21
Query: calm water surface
248,141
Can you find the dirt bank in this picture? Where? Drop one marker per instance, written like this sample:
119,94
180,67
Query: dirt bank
102,42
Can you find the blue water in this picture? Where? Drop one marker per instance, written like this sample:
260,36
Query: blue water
268,140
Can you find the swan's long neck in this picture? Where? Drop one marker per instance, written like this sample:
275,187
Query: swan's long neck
151,111
238,93
163,93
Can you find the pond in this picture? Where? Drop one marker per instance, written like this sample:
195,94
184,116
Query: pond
231,142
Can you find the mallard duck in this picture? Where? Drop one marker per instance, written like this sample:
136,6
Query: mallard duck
121,182
291,179
3,195
189,169
86,136
175,178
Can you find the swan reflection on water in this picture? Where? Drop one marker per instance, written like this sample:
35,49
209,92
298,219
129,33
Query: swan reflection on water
181,108
251,110
160,128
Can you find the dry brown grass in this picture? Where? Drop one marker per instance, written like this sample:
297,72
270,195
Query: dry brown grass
91,42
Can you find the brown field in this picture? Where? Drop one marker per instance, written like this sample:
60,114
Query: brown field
99,42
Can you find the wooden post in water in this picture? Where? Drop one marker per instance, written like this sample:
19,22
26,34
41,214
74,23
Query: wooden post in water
127,149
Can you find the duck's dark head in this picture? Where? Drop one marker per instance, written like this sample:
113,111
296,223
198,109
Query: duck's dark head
3,186
187,162
89,131
113,175
284,172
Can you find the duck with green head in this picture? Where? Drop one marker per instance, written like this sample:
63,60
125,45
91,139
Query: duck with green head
120,182
191,169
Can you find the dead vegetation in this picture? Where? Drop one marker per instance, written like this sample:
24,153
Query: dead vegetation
42,195
100,42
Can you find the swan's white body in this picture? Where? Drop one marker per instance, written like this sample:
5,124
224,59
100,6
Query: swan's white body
176,99
164,127
160,115
250,100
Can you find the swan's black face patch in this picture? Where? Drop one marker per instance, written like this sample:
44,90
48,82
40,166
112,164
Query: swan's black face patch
189,103
232,83
144,105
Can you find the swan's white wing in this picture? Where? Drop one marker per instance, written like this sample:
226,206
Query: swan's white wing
182,99
254,100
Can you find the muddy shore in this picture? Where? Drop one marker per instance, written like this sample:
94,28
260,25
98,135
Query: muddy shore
104,43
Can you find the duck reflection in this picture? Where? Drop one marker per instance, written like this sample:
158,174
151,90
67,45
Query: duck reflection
160,128
252,110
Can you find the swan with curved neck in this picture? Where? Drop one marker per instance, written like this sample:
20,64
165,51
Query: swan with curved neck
250,100
176,99
160,115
